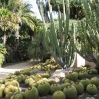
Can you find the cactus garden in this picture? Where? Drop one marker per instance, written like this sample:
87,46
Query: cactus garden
37,82
54,45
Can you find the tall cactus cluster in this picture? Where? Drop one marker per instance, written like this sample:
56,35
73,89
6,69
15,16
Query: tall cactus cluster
62,40
88,32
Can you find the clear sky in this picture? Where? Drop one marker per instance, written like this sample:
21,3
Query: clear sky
35,8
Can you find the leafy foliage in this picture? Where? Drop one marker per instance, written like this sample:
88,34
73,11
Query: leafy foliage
36,49
2,52
22,49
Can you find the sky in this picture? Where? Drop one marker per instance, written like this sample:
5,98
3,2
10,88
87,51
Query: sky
35,8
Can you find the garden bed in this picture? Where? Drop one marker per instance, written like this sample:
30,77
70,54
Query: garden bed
48,71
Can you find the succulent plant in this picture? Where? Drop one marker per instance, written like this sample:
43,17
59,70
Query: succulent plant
7,82
43,79
72,76
58,95
14,83
31,93
70,92
43,88
54,88
2,86
27,80
95,80
90,98
78,69
87,66
17,73
91,89
85,82
8,95
93,71
51,81
45,75
83,74
35,84
20,78
62,50
11,88
65,80
79,87
63,85
17,95
2,81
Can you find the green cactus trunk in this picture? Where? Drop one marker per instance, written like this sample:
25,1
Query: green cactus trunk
88,33
61,40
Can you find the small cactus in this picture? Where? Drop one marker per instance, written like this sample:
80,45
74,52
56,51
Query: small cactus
70,92
58,95
43,88
91,89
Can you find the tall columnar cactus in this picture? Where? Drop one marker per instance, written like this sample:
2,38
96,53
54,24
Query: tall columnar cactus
61,40
88,33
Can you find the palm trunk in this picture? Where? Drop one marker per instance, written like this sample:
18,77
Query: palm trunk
31,37
4,38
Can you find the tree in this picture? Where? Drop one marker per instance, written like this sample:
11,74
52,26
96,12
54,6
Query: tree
6,22
23,14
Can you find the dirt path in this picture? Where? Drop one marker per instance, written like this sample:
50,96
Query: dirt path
11,68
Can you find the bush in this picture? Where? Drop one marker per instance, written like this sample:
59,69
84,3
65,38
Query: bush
2,52
37,50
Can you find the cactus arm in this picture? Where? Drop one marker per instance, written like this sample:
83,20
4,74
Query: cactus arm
60,27
66,20
44,26
88,29
62,48
53,32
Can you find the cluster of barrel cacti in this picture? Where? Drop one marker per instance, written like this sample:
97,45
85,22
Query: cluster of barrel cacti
75,83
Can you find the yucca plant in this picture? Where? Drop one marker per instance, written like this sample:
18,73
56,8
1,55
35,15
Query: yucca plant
61,40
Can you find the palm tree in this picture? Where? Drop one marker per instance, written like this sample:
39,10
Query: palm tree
24,14
21,12
5,22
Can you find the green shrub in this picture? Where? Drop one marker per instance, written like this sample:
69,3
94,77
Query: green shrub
2,52
37,50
